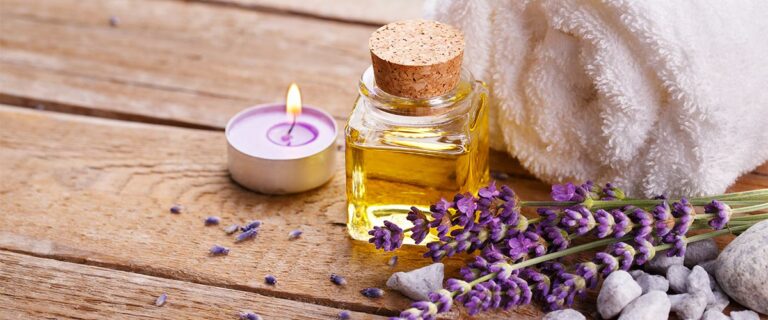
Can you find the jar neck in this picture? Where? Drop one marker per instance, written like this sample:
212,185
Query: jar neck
443,107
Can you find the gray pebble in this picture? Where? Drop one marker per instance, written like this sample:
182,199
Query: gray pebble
653,305
698,284
660,263
678,278
709,266
636,273
744,315
689,306
650,282
417,284
619,289
721,301
714,315
741,268
676,298
700,251
565,314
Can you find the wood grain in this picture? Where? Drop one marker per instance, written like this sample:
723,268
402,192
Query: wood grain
97,191
172,62
369,12
34,288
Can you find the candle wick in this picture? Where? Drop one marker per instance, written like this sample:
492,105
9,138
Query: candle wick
293,124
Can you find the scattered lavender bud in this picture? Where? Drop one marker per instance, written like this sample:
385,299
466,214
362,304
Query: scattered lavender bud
212,221
744,315
372,292
248,315
231,229
176,209
114,21
392,261
338,280
270,280
295,234
160,301
217,250
344,315
250,234
255,224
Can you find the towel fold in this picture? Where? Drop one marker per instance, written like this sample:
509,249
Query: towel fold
655,96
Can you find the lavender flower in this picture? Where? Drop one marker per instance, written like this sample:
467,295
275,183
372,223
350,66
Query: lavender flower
678,246
249,234
231,229
607,263
420,223
624,253
588,271
664,220
579,219
565,288
466,206
605,223
212,221
621,223
294,234
539,282
160,301
248,315
521,243
684,211
458,285
563,192
372,292
722,214
255,224
557,237
270,280
550,217
388,237
338,280
176,209
643,222
611,192
218,250
344,315
645,250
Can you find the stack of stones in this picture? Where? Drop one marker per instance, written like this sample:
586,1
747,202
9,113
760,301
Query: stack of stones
697,286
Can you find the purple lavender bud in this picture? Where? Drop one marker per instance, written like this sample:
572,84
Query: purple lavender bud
490,191
492,253
231,229
176,209
440,207
678,247
578,219
466,206
294,234
611,192
443,299
217,250
338,280
722,214
372,292
557,237
622,223
550,217
643,222
563,192
540,282
664,221
344,315
645,250
435,251
255,224
270,280
588,271
248,315
502,269
250,234
458,285
607,263
684,211
392,261
605,223
420,223
160,301
212,221
517,292
625,254
388,237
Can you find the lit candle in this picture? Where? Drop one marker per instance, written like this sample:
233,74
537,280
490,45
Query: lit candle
281,148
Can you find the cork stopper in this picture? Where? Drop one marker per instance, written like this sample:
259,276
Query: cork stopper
417,58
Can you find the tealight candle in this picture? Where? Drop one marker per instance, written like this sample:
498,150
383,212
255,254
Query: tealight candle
281,148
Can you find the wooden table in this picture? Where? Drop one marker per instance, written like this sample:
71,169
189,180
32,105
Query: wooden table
105,126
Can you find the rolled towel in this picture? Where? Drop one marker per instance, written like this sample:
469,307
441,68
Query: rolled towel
655,96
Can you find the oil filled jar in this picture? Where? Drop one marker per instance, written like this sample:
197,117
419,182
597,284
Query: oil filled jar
419,128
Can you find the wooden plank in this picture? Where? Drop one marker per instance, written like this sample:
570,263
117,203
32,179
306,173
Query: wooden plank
33,287
174,62
97,191
369,12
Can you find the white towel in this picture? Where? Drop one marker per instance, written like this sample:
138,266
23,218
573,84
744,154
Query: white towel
657,96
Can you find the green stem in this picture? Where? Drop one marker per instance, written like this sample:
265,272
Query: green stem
606,204
750,208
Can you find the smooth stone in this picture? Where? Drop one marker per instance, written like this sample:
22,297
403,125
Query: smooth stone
678,278
653,305
714,315
700,251
619,289
636,273
709,266
649,282
744,315
721,301
565,314
741,268
698,283
689,306
660,263
417,284
676,298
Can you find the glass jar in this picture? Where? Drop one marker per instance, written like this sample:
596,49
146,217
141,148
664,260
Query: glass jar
403,152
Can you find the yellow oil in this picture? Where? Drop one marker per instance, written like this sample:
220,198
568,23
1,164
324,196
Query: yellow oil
412,166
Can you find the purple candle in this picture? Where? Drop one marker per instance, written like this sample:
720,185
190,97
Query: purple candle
281,148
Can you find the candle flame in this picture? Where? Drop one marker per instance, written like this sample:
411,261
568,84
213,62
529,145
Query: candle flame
293,102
